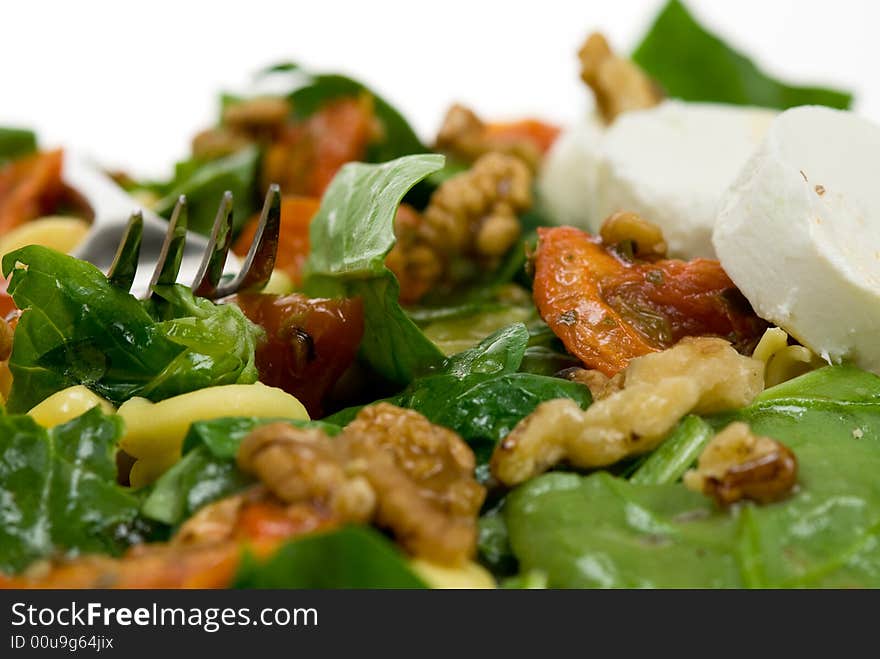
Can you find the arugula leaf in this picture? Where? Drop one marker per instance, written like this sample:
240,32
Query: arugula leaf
351,557
693,64
311,91
602,531
59,491
15,143
208,472
350,236
204,184
79,329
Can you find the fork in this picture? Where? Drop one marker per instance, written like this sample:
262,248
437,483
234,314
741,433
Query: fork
146,240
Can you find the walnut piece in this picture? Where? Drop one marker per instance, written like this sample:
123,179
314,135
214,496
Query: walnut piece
736,465
599,384
390,466
618,84
701,375
470,223
645,237
467,137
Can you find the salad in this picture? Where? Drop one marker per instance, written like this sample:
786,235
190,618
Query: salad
637,351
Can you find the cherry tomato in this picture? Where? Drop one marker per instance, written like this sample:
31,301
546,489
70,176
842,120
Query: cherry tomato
309,342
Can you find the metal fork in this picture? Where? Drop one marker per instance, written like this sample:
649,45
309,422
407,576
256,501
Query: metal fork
146,240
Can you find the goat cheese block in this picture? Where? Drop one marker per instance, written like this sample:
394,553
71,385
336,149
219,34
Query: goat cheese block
799,232
670,164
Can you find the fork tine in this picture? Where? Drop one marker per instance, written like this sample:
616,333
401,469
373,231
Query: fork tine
211,269
260,259
171,256
122,270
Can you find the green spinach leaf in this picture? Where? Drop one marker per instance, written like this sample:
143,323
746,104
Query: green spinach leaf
602,531
204,184
310,91
58,491
15,143
350,236
693,64
352,557
79,329
479,394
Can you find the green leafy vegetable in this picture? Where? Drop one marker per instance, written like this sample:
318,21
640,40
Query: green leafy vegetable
352,557
602,531
208,472
676,454
695,65
311,91
350,236
493,544
479,394
59,491
15,143
204,184
79,329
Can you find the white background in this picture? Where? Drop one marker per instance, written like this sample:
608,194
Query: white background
131,82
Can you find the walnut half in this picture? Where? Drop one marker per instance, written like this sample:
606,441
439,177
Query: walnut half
390,466
701,375
738,464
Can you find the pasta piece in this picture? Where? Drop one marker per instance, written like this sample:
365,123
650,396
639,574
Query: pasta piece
470,575
68,404
154,432
783,362
58,232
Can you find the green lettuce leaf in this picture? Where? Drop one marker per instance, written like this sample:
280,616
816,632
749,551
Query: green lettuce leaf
79,329
693,64
603,531
58,491
352,557
350,236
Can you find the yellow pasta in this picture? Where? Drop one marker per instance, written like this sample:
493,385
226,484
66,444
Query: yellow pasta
469,575
57,232
783,362
68,404
154,432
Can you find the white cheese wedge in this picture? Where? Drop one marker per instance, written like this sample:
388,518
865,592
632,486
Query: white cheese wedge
567,182
799,232
670,164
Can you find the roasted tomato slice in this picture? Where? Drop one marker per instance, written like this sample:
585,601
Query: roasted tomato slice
541,134
29,187
309,153
309,342
607,309
293,239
